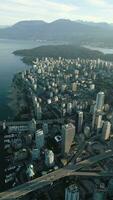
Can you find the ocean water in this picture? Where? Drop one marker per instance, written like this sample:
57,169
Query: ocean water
9,65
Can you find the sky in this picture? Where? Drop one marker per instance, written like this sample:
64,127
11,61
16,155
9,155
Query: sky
12,11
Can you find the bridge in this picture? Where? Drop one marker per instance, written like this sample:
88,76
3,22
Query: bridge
69,170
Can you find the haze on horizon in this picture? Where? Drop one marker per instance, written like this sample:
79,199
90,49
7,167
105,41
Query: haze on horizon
12,11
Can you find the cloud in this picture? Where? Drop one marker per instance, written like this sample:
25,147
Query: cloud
101,4
12,11
31,5
33,9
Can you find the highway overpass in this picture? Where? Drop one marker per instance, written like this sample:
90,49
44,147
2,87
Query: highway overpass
70,170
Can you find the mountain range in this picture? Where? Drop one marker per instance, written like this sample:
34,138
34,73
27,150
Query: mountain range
78,32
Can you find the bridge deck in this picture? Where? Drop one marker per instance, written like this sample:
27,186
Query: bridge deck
48,179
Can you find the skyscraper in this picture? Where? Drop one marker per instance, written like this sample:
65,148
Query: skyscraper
49,158
100,101
38,111
72,193
74,87
39,139
99,194
98,122
45,129
106,130
68,133
80,121
98,107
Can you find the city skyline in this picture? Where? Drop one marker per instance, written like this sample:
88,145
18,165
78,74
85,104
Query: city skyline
13,11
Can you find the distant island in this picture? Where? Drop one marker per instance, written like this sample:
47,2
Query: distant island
65,51
76,32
